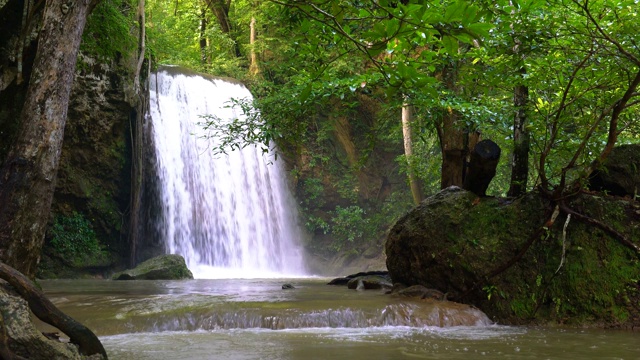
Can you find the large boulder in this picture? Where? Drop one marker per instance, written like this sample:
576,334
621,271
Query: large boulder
463,245
620,173
19,336
163,267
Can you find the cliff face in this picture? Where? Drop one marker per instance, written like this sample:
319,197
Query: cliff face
95,171
90,206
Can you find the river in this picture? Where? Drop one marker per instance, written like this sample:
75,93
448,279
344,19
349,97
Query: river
236,319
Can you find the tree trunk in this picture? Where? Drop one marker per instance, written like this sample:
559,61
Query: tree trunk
455,139
203,37
520,160
253,68
28,175
414,183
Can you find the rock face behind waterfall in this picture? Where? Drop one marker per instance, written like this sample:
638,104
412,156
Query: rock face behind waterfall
163,267
453,240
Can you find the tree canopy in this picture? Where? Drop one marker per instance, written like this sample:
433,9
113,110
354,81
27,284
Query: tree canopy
553,82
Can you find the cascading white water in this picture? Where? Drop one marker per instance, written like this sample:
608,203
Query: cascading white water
228,215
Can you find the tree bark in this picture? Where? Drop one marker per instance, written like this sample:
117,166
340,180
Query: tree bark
520,160
254,69
455,139
28,175
203,36
414,184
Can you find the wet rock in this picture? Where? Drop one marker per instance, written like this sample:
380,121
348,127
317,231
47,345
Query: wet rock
287,286
163,267
370,282
345,280
20,335
420,292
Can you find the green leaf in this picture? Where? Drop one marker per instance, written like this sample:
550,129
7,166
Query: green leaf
450,44
454,11
470,15
481,30
304,95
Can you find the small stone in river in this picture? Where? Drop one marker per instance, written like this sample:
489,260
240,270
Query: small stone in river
287,286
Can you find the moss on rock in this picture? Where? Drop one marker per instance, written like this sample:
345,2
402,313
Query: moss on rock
163,267
454,240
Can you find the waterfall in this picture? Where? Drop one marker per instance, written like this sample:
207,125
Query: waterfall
230,216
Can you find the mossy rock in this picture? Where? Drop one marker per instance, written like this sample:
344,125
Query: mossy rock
620,173
458,243
163,267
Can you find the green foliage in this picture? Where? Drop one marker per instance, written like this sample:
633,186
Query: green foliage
348,225
72,237
107,34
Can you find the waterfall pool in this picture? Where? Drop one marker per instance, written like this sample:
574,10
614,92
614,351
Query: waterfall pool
256,319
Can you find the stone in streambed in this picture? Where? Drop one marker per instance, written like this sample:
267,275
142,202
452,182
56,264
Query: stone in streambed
163,267
345,280
370,282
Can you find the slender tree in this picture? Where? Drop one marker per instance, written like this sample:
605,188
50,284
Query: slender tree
414,182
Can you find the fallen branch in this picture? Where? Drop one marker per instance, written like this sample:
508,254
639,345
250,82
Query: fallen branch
88,343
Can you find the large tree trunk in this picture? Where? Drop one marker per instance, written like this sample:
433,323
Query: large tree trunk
520,160
455,139
407,118
28,175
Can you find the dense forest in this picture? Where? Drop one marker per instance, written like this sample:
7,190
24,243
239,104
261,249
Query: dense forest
343,87
373,106
554,84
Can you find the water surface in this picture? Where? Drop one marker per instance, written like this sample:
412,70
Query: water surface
255,319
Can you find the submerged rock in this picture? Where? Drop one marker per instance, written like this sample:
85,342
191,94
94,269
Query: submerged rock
163,267
467,246
20,335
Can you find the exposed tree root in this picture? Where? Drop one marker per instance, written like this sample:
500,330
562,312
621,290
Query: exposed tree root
602,226
46,311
